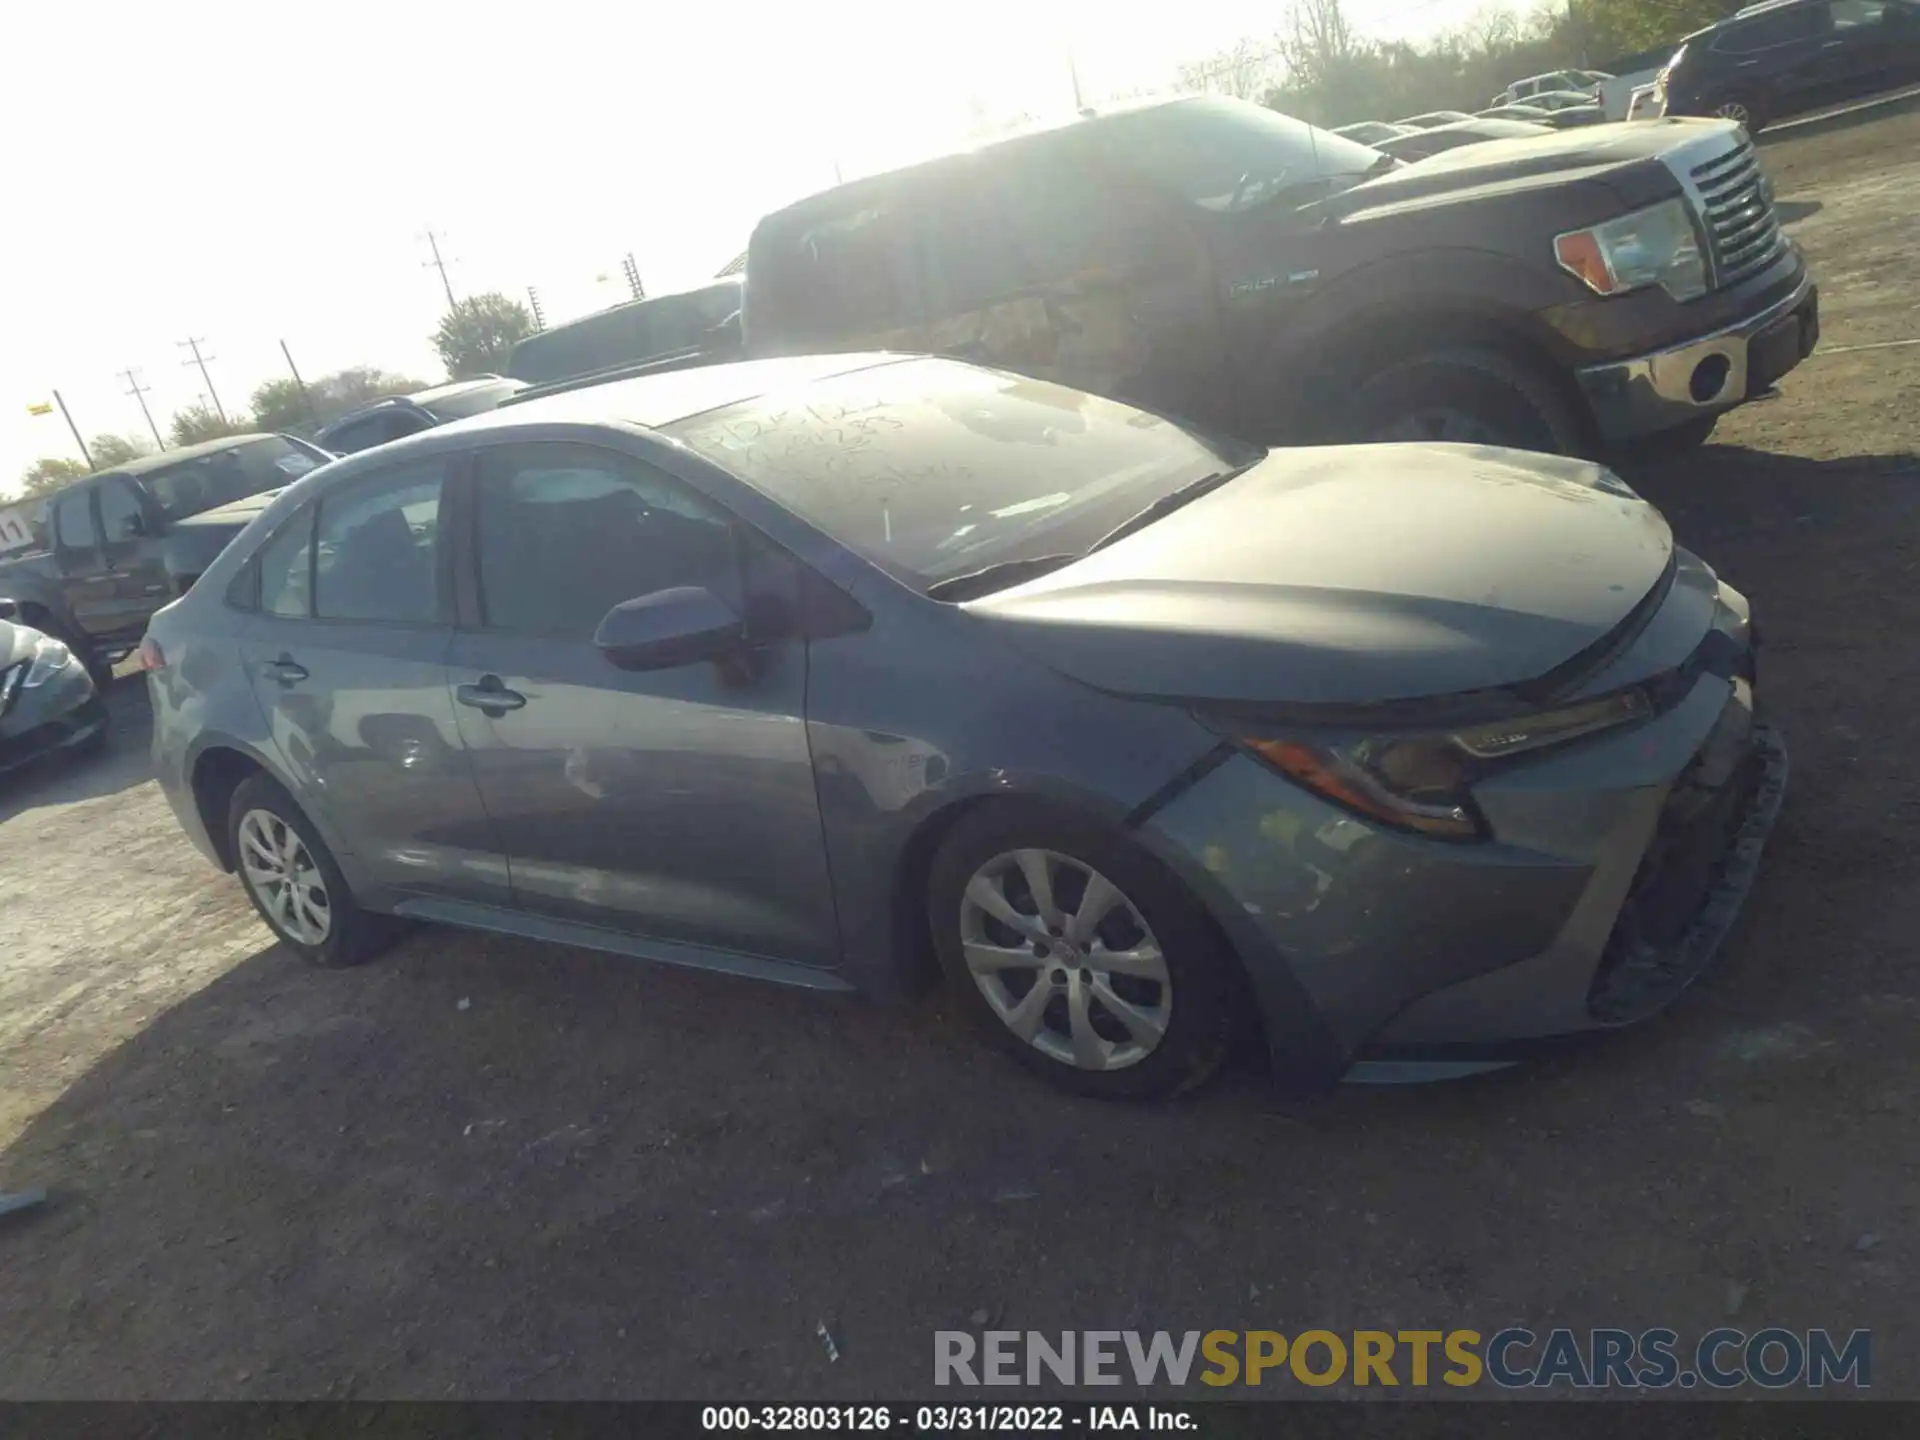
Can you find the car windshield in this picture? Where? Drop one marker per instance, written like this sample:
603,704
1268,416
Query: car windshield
208,481
1229,155
933,470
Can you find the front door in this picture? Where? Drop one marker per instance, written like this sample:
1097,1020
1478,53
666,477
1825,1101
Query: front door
348,656
678,803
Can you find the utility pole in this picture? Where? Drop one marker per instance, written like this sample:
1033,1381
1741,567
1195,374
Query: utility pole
67,415
631,269
1073,73
139,392
533,300
201,361
306,397
436,263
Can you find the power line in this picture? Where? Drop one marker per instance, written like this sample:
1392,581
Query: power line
139,392
201,361
436,263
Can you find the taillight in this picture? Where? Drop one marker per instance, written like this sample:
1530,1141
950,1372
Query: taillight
151,655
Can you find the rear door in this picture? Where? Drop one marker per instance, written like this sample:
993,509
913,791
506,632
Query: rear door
679,803
135,569
84,582
347,654
1041,260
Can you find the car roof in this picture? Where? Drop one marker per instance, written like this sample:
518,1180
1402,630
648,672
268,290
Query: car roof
656,401
148,463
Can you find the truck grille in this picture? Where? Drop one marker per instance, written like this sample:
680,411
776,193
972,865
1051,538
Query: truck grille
1737,207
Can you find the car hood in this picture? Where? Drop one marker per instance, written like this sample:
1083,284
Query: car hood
16,642
236,515
1589,150
1352,575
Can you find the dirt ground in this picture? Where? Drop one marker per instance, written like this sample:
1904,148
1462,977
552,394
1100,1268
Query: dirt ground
483,1168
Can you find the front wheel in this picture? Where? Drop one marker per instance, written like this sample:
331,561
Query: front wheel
1468,397
1080,955
295,884
1743,112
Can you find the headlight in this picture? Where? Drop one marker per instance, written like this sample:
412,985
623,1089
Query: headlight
1654,246
1422,782
50,657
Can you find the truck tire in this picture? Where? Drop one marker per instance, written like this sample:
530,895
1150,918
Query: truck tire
1466,396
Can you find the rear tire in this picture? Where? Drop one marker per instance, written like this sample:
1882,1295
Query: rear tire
1468,396
294,882
1128,993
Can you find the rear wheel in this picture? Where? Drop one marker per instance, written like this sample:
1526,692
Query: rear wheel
1080,955
294,883
1469,397
1743,112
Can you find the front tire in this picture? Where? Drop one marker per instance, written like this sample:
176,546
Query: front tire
1744,112
294,882
1467,396
1080,955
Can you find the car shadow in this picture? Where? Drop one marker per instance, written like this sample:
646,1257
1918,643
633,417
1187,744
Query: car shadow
1788,211
63,779
1738,497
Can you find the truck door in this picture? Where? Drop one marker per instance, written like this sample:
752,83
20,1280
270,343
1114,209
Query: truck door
1041,262
84,583
136,581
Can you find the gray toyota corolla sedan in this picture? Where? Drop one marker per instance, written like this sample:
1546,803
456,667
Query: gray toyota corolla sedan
822,670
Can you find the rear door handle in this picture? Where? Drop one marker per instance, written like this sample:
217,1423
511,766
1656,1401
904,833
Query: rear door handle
286,670
490,696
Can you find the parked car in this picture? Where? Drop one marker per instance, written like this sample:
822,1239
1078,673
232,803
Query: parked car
703,322
397,416
126,541
819,670
1564,119
1213,259
1370,132
1419,144
1526,90
1772,61
1433,118
48,703
1615,93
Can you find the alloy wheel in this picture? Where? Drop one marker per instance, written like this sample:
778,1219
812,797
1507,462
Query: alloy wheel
1735,111
281,873
1065,960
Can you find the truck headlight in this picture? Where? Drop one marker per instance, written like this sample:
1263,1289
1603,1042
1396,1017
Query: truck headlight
1654,246
50,657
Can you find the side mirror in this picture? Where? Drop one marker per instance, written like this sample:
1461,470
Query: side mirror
681,626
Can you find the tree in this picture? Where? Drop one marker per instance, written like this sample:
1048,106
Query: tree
475,336
201,422
48,474
1246,71
279,405
117,449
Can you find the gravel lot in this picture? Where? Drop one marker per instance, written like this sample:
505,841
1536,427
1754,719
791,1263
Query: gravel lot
484,1168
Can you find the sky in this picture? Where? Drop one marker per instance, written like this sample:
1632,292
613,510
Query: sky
247,174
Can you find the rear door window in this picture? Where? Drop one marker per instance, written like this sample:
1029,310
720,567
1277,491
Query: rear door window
73,521
1778,27
376,548
285,564
832,274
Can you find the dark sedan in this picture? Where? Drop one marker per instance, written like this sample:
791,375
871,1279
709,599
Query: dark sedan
821,670
48,704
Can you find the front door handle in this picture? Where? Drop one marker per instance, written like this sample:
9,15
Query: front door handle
286,670
490,696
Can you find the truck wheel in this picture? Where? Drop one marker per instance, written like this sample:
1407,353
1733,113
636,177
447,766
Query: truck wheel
1469,397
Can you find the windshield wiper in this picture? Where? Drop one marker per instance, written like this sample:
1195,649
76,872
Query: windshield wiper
1168,503
997,576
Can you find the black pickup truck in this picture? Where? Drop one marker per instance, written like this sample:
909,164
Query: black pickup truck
1607,287
127,541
